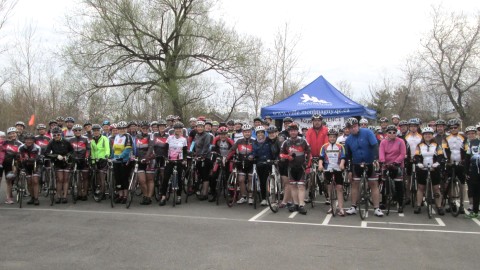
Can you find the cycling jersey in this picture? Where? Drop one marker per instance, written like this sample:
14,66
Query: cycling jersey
456,146
122,146
341,139
177,148
222,146
142,145
21,137
81,147
243,148
100,147
60,147
428,153
413,139
332,155
473,155
28,155
262,151
362,147
297,148
11,150
68,133
316,138
42,141
202,143
2,153
159,142
237,136
392,151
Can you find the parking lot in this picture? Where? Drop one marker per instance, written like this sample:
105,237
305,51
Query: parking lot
201,235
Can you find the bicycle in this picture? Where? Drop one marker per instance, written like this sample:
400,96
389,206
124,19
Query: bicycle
232,185
157,178
133,183
389,189
333,193
413,185
274,187
98,194
429,198
347,189
312,181
173,182
453,193
21,186
192,185
74,180
364,192
221,179
45,176
255,186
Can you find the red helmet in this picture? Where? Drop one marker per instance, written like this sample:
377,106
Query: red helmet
222,130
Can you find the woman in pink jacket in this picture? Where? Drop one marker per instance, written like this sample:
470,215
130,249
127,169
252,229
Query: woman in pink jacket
392,153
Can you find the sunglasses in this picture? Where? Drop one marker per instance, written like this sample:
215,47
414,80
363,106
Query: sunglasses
77,130
454,127
392,132
57,135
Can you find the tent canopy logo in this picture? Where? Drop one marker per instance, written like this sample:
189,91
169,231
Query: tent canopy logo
306,99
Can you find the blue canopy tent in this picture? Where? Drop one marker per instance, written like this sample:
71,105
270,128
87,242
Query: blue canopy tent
318,97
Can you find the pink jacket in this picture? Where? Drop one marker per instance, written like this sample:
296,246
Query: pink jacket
392,151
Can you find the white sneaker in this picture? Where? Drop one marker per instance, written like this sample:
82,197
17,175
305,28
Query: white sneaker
351,211
250,200
264,203
242,200
378,212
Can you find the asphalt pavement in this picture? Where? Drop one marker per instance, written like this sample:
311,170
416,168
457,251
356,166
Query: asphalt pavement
202,235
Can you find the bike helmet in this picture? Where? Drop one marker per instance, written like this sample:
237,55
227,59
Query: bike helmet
200,123
258,118
477,126
77,127
403,123
61,119
208,122
56,130
470,128
52,122
288,119
372,128
378,129
396,116
106,123
69,119
20,123
122,124
177,118
41,126
29,136
88,123
268,117
131,123
2,134
414,121
391,127
272,129
440,122
11,129
238,122
222,130
153,123
246,127
178,125
215,123
317,116
453,122
96,126
383,120
230,122
170,117
293,126
113,126
333,131
351,121
193,119
363,121
260,128
144,124
162,122
427,130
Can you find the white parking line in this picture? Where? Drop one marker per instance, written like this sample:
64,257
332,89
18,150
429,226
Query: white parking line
259,214
401,214
476,221
440,222
293,214
327,219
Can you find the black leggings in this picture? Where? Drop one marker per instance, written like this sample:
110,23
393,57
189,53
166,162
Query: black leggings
475,184
168,174
263,172
121,171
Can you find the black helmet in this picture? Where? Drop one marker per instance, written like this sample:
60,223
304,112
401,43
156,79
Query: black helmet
258,118
317,116
351,121
144,124
29,136
288,119
178,125
52,122
88,123
230,122
69,119
56,130
60,118
293,126
391,127
272,129
440,122
132,123
403,123
453,122
333,131
41,126
383,120
96,126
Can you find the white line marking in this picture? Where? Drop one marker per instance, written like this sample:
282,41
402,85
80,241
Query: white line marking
372,228
364,224
400,223
476,221
327,219
401,214
293,214
259,214
440,222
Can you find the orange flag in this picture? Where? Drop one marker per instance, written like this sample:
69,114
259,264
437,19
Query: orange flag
32,120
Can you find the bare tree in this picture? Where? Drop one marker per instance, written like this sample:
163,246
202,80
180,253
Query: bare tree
346,88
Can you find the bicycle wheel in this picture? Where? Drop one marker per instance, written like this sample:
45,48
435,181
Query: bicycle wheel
363,204
389,192
346,186
74,187
52,187
271,194
97,194
219,188
429,198
312,189
255,191
131,190
156,188
413,190
232,190
21,190
111,187
333,198
456,197
46,181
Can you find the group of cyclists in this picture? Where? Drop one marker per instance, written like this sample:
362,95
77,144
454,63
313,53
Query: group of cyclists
397,147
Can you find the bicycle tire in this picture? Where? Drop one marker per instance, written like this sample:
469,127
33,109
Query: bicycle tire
52,187
456,198
131,190
46,181
271,194
389,190
156,187
346,186
21,190
255,191
97,196
363,199
429,198
333,198
111,187
413,190
174,192
74,187
312,189
232,190
219,187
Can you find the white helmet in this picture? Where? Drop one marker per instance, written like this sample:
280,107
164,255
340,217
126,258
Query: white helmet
193,119
11,129
246,127
427,130
2,134
200,123
470,128
363,121
260,128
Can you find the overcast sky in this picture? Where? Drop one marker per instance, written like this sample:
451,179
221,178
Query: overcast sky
350,40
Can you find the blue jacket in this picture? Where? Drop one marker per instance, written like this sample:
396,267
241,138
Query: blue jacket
262,151
362,147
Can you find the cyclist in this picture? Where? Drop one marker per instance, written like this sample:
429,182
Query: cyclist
51,125
60,121
193,123
122,151
153,127
286,123
177,152
60,149
470,132
29,156
316,137
146,172
342,138
262,152
257,121
428,154
81,153
231,128
100,152
395,119
2,153
402,129
362,147
42,139
297,151
111,137
106,128
159,148
20,131
238,133
87,126
433,125
382,131
215,126
170,119
472,165
221,146
392,154
202,143
243,148
456,154
413,138
332,157
363,123
269,120
440,136
11,146
68,131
